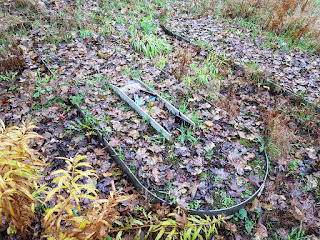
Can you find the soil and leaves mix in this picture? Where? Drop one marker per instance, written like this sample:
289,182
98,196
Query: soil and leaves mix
213,71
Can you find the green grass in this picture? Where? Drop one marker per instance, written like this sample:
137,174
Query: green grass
187,135
151,45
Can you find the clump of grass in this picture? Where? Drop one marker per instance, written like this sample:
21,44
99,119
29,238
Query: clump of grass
145,39
210,73
150,45
162,62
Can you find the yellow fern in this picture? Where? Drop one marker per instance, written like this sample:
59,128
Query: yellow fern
18,176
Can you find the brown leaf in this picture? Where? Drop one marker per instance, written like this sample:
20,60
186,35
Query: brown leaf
134,134
114,142
198,161
193,189
99,151
116,125
142,153
183,220
170,175
156,174
231,227
261,232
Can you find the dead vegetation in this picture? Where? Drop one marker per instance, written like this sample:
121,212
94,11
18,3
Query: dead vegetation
294,18
184,56
35,4
281,137
12,59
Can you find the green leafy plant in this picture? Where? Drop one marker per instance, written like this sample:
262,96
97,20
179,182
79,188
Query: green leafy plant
77,99
296,233
146,41
195,204
159,139
243,215
162,61
195,118
176,225
226,201
38,92
9,76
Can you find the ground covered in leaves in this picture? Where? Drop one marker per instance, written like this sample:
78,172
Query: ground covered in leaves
215,74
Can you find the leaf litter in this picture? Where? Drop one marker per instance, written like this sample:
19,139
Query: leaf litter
248,104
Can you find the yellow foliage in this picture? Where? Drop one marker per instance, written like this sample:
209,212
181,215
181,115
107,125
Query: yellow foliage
68,218
18,176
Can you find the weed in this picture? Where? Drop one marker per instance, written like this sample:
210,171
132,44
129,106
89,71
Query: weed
226,201
280,137
187,135
243,215
296,22
148,26
184,57
183,108
245,143
38,92
194,204
253,74
106,29
11,59
203,44
208,73
162,61
176,225
68,218
85,33
159,139
297,233
132,168
75,126
209,154
9,76
120,153
246,194
195,118
77,99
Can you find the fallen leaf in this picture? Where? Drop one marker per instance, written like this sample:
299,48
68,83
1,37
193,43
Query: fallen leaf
261,232
170,175
99,152
231,227
114,142
142,153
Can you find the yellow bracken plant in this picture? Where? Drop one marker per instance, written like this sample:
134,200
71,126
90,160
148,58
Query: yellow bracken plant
69,218
19,165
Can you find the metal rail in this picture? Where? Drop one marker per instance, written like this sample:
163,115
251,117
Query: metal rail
136,182
136,84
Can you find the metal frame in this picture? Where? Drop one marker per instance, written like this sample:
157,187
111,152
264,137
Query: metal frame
121,92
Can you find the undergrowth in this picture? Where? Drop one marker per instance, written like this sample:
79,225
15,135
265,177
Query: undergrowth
70,205
176,225
297,21
280,136
69,194
19,167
